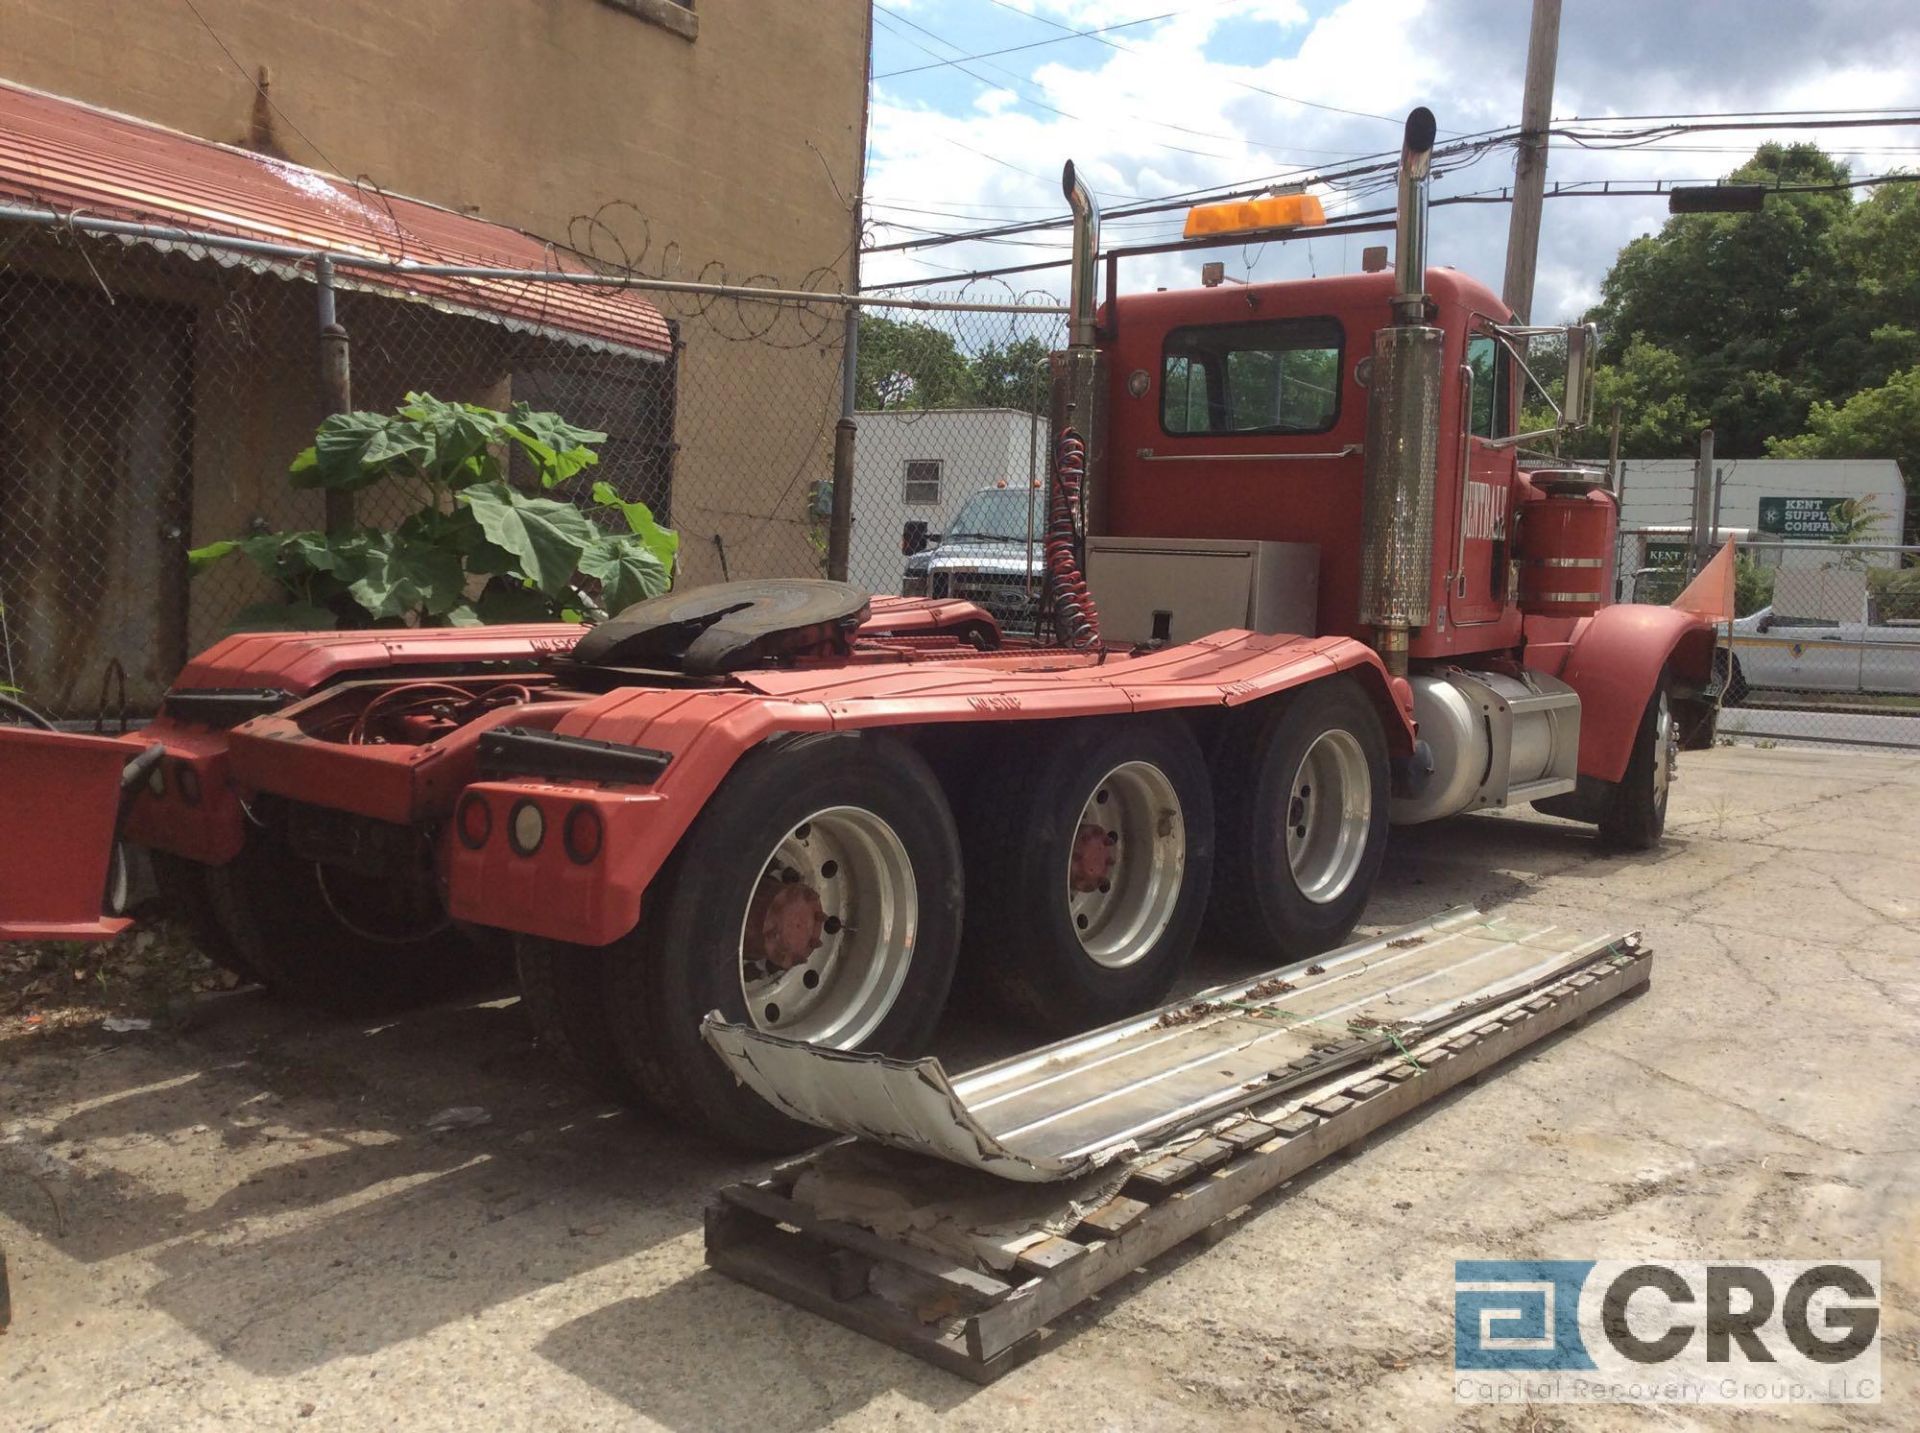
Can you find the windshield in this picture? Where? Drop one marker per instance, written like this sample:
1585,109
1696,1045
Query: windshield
999,513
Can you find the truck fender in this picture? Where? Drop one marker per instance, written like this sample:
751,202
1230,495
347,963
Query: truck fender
1615,658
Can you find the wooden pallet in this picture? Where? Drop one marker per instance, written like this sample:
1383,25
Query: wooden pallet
980,1325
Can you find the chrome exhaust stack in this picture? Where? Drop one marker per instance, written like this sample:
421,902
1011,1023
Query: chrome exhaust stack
1086,257
1410,219
1403,427
1080,374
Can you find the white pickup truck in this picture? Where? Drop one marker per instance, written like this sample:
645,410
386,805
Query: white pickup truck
1773,651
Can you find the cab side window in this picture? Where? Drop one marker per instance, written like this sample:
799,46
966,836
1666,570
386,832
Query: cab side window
1492,388
1272,376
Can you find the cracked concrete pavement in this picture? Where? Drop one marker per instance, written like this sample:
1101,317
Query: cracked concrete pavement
244,1221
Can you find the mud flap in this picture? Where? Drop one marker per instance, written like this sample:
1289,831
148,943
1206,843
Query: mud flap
57,829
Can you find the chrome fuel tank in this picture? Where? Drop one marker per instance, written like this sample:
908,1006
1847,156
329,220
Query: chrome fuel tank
1491,740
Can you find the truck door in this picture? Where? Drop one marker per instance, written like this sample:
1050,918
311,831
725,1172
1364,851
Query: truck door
1480,523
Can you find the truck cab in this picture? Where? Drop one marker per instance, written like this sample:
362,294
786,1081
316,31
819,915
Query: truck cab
1242,412
1364,434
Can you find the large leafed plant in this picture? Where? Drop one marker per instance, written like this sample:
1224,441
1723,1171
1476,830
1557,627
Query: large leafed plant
477,549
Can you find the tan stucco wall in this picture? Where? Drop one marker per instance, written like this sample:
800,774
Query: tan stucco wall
709,151
526,111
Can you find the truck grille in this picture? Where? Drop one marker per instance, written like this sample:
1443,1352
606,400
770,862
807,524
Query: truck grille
1007,598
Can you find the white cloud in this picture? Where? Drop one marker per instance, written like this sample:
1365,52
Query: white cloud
1160,116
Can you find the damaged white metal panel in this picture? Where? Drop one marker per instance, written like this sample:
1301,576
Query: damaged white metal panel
1073,1106
910,1104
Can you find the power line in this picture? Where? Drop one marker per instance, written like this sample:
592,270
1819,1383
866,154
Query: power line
1070,34
1729,114
1384,162
1477,145
957,63
1648,136
259,88
1354,223
1243,84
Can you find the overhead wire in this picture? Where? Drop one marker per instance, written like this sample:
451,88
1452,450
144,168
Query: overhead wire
1656,188
1242,84
258,88
1476,144
1383,163
959,63
1031,45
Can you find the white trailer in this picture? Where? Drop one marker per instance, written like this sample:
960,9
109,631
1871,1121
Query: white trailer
920,465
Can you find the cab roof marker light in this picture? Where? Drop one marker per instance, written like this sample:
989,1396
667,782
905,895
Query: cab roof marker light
1243,216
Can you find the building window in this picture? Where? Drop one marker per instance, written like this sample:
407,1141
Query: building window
921,487
1273,376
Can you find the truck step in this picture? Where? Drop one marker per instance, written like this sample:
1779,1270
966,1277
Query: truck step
971,1270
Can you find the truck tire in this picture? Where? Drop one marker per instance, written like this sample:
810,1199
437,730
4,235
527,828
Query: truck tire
1089,855
1303,800
333,939
817,896
563,989
1633,813
183,895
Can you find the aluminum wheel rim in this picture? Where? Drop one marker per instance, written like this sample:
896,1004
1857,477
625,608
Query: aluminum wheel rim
1119,914
1328,814
1666,747
839,992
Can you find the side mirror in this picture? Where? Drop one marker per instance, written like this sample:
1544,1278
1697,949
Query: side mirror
1576,406
913,536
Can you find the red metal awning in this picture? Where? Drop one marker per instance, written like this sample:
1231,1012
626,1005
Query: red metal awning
73,159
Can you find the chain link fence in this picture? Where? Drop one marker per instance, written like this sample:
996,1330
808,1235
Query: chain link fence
951,465
151,400
1826,644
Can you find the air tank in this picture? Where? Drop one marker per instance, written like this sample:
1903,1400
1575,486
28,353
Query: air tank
1565,547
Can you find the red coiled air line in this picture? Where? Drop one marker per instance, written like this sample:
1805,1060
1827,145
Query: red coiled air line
1076,620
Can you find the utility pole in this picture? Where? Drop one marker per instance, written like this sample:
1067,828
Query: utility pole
840,519
1530,162
1702,524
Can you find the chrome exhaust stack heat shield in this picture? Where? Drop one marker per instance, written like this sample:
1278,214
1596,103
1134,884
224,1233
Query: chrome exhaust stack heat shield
1403,459
1403,427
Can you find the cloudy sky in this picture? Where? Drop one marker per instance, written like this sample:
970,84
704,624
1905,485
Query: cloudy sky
1229,91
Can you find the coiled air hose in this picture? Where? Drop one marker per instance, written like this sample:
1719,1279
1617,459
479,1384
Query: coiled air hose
1076,620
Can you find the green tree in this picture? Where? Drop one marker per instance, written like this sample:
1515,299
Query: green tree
908,365
1659,415
1882,422
1012,375
1793,331
1752,306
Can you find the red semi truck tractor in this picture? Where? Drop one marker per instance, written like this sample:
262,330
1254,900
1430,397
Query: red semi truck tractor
1299,590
